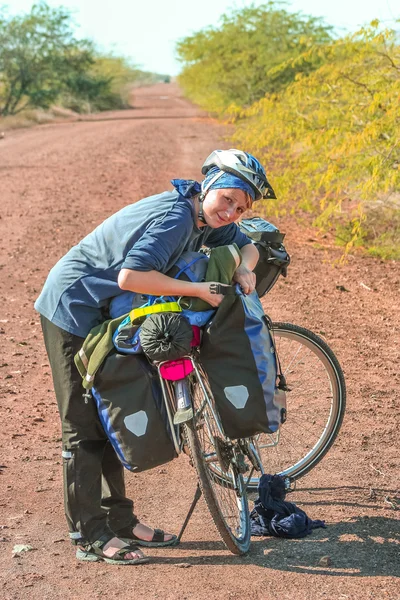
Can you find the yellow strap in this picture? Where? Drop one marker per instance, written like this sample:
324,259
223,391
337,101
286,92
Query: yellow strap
136,313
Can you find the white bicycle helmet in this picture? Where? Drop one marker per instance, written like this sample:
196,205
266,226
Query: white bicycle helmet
243,165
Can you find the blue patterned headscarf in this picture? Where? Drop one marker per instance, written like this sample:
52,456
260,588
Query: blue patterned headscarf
186,187
215,180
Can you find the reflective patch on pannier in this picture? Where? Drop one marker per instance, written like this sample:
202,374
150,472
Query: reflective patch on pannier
131,409
237,395
137,423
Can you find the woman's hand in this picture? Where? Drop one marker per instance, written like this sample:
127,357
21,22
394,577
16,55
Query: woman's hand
245,278
206,293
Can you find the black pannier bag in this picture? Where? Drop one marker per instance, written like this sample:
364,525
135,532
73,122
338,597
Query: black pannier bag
274,259
238,357
129,401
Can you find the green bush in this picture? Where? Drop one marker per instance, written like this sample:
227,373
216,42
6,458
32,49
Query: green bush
326,122
42,63
38,53
235,63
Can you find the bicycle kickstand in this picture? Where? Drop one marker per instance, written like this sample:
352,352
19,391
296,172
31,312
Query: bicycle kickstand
196,498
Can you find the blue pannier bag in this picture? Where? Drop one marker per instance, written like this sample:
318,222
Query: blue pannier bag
238,356
129,401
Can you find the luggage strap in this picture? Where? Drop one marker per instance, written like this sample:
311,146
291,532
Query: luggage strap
221,288
271,237
143,311
282,385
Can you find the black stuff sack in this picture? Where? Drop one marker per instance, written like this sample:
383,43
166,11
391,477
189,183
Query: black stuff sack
129,401
238,356
166,336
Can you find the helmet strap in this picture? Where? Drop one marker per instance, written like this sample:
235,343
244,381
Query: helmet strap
204,190
200,214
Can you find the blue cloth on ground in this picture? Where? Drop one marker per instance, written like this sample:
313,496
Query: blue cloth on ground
272,515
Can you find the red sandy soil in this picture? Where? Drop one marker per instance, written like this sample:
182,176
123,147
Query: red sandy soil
57,183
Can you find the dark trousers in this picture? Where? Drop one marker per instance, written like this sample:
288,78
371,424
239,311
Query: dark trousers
94,488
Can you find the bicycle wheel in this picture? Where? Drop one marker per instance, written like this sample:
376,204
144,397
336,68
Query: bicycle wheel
315,404
223,487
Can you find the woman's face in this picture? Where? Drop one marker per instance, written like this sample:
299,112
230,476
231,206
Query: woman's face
224,206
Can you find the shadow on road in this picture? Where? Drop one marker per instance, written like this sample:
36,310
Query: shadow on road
345,495
360,547
139,117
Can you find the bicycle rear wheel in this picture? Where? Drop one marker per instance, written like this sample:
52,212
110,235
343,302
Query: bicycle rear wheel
217,462
315,404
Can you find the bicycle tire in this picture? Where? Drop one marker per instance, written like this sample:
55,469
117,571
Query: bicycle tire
238,542
318,359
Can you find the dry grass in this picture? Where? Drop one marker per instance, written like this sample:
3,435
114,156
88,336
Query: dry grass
28,118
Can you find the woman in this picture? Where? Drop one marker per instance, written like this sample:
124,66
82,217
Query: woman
131,250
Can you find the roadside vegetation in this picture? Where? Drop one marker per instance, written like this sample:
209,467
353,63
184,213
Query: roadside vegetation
322,112
43,64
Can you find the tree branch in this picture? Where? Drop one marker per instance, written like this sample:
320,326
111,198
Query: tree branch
389,59
22,108
387,156
359,83
6,107
18,97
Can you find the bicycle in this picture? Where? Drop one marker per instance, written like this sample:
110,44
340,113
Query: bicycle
315,393
226,468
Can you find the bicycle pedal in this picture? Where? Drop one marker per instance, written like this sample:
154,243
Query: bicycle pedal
183,415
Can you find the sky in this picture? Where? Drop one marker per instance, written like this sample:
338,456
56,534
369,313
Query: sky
146,31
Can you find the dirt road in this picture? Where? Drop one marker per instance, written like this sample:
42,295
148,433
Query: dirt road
57,183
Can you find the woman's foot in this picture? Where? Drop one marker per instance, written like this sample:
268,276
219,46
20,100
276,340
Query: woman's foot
146,534
142,535
116,544
114,551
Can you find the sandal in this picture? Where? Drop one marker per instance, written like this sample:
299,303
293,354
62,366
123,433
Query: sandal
93,552
157,540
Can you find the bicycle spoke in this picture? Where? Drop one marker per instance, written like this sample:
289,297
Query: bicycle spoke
315,403
222,483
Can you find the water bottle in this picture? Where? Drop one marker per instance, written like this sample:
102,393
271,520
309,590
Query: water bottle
184,409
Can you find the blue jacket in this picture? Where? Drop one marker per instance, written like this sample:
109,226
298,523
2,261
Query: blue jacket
148,235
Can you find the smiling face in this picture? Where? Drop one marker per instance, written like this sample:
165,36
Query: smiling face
224,206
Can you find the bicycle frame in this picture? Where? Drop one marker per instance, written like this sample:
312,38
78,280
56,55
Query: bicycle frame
166,375
181,370
166,380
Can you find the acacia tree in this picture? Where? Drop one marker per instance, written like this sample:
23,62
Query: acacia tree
233,62
38,53
331,139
